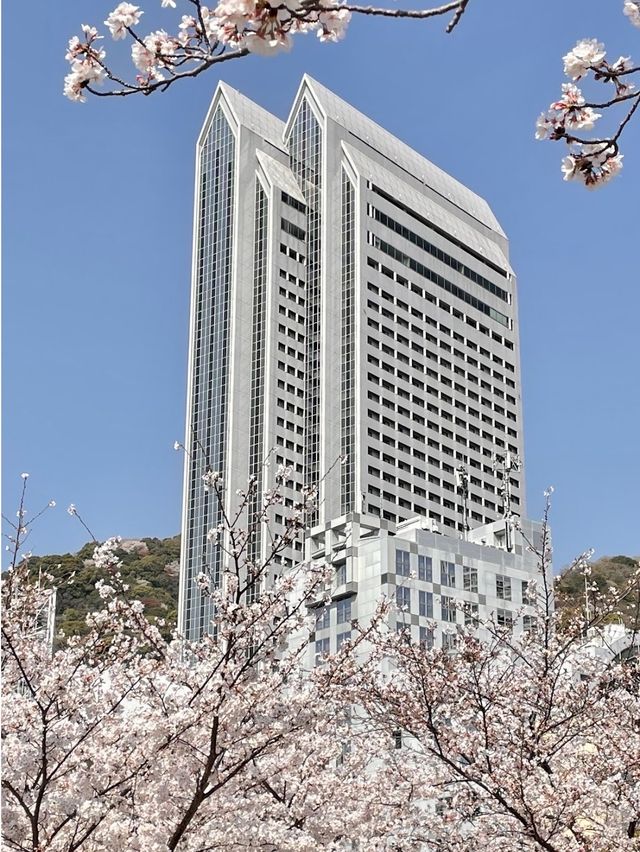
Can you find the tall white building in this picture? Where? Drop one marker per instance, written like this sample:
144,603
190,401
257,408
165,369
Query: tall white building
351,299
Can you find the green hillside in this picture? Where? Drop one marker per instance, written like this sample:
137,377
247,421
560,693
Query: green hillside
609,572
150,567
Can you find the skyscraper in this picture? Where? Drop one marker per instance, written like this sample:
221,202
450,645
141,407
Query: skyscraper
349,299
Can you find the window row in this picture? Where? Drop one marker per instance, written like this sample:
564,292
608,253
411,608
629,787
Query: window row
438,253
290,407
293,202
429,321
284,311
447,485
426,320
429,275
294,297
293,230
291,332
291,278
380,417
378,343
290,445
293,353
288,368
299,392
292,253
442,233
418,400
421,509
290,463
489,438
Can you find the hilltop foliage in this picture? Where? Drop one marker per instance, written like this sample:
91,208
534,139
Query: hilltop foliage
149,568
604,575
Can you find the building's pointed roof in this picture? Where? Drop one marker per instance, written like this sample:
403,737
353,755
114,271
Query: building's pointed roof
248,114
399,152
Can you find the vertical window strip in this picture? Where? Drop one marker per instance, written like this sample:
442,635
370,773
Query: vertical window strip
208,415
305,151
256,425
348,371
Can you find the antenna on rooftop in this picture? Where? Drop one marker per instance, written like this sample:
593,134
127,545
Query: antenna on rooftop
504,465
462,488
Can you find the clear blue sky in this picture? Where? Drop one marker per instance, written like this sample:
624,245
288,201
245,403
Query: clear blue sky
97,238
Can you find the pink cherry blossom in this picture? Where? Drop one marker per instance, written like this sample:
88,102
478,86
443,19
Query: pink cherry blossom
585,55
124,16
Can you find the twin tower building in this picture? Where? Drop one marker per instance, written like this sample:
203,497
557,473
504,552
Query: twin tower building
351,300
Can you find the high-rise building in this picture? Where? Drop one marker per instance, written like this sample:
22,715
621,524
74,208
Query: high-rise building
349,299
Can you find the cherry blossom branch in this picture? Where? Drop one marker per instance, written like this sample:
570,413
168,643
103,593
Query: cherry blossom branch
417,14
154,85
231,30
592,161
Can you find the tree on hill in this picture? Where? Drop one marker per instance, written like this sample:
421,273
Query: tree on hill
584,589
149,569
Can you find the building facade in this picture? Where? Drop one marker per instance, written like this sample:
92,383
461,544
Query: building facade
349,300
438,584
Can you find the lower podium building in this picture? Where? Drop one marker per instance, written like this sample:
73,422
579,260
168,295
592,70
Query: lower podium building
439,583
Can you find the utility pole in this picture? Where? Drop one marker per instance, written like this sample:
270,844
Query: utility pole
462,488
504,466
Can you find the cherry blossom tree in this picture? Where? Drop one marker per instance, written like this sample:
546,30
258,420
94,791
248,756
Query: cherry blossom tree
518,740
120,740
208,36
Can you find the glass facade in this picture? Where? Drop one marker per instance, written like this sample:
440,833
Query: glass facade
206,439
348,365
256,423
305,151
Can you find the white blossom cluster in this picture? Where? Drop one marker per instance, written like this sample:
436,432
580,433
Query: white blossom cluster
592,161
632,11
212,479
258,26
592,165
104,555
86,58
